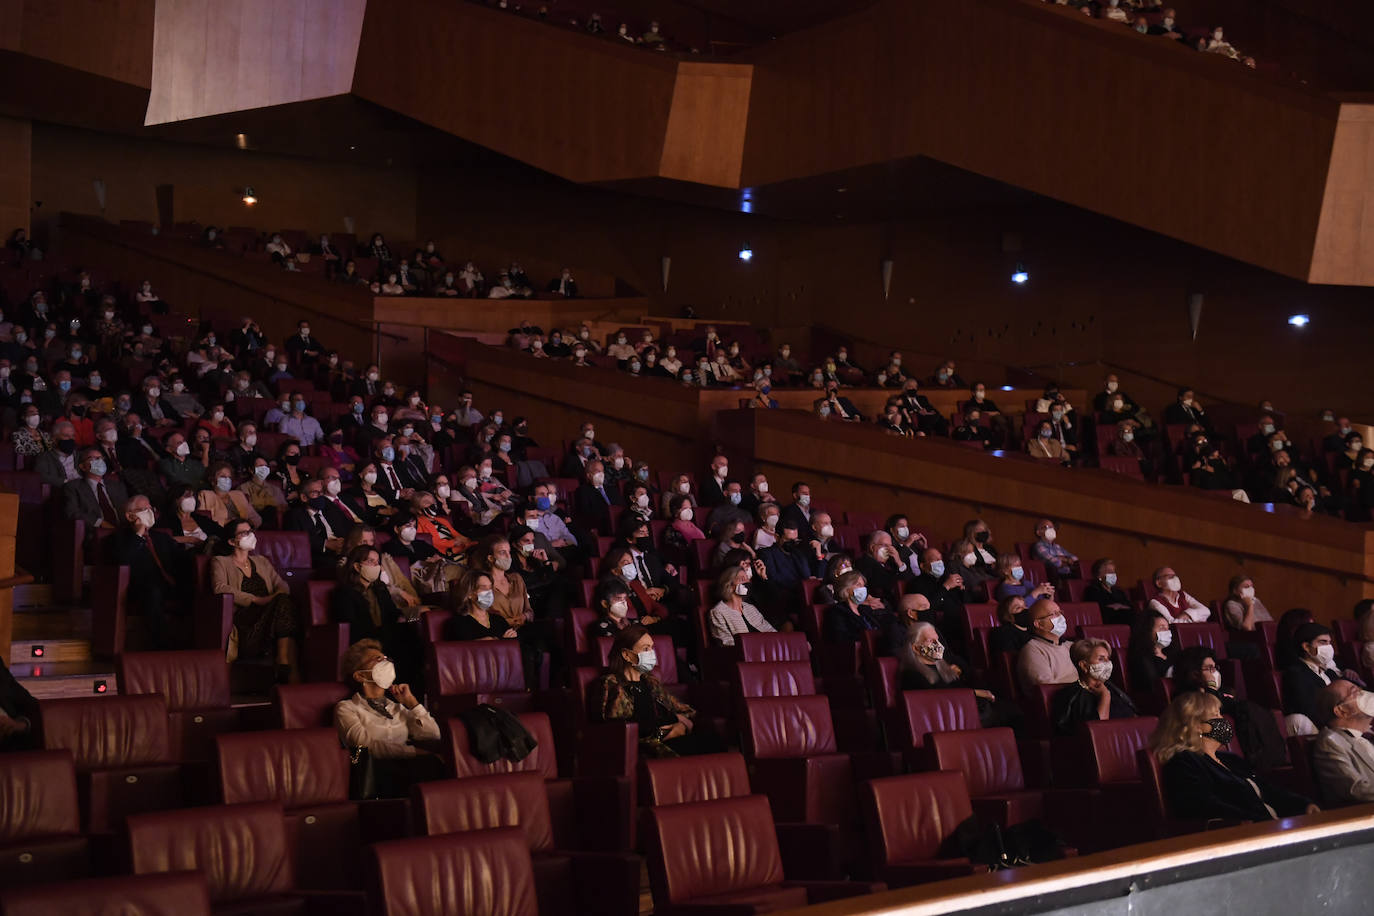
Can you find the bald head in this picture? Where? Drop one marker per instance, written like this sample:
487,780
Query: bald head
914,605
1338,707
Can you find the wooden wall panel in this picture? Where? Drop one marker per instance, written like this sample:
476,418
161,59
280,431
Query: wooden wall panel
15,199
1345,236
581,108
706,124
234,55
293,193
110,38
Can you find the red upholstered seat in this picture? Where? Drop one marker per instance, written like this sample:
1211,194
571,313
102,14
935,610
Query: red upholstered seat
1211,635
991,765
305,770
307,705
775,679
791,741
40,820
464,674
883,682
481,873
122,753
241,849
682,780
1112,745
910,823
1081,614
195,684
925,711
565,882
182,893
774,647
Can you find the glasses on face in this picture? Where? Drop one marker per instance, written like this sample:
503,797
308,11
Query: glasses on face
1209,669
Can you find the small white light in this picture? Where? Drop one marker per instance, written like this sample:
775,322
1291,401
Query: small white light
1019,277
1008,388
746,254
1299,321
249,197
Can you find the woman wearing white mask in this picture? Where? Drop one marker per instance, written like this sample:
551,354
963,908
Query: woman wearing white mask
1151,651
1243,609
189,529
1093,697
766,535
963,559
265,618
613,602
386,718
365,602
631,693
475,619
732,615
680,487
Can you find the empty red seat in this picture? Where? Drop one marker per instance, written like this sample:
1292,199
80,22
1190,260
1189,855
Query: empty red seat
40,820
911,821
307,705
305,770
991,765
181,893
566,882
775,679
921,712
773,647
463,674
722,856
1081,614
478,873
241,850
791,741
1211,635
681,780
122,754
195,684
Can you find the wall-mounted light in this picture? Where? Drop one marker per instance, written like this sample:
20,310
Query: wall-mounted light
746,254
1299,321
249,197
1019,276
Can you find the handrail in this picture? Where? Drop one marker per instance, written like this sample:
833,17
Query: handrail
82,225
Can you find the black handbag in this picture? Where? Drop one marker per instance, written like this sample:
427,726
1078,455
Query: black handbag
362,775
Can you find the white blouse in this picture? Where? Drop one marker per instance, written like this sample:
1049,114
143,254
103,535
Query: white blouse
360,725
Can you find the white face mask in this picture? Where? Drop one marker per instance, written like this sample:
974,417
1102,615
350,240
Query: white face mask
1059,625
1365,702
1050,535
804,500
684,488
442,491
619,609
485,598
1326,654
598,479
407,534
628,572
1248,592
741,589
224,484
370,477
261,471
188,504
827,531
32,421
1173,584
183,450
685,514
642,500
383,674
333,486
903,532
723,471
248,541
1214,679
147,517
647,661
770,521
1164,638
969,559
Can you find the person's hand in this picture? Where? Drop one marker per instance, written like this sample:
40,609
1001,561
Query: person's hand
406,493
541,554
670,569
958,672
760,569
10,726
657,593
873,601
262,601
985,694
684,722
677,731
140,529
1312,809
401,694
335,545
954,581
509,634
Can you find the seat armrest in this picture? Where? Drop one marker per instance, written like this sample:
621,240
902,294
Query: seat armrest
809,851
607,883
604,808
821,891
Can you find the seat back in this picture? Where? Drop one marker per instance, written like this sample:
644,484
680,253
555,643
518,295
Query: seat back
540,760
1081,614
433,623
321,592
775,679
188,679
1147,765
481,871
103,732
884,683
490,666
982,615
682,780
1116,635
177,894
38,796
484,803
241,849
288,551
773,647
1211,635
912,817
930,711
1113,744
307,705
987,757
298,767
788,727
712,847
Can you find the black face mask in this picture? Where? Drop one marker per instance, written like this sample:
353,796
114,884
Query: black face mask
644,543
79,410
737,537
1222,731
66,446
293,460
981,537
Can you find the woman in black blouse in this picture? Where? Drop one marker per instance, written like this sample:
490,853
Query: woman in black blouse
1093,697
364,602
1150,654
474,621
847,620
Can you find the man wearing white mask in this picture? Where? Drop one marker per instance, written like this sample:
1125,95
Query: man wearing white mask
1045,659
1173,602
944,592
1342,758
1048,551
712,490
1110,597
1314,668
158,569
758,495
799,510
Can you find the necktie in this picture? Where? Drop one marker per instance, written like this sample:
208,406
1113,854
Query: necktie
643,570
391,476
602,491
321,525
106,507
148,539
344,506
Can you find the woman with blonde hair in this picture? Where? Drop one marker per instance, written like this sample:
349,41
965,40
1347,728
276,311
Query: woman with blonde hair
1203,781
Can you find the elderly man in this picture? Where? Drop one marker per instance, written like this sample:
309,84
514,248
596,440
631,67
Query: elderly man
1048,551
1342,760
1045,659
1173,602
159,570
592,501
944,592
913,608
58,464
91,498
882,568
712,490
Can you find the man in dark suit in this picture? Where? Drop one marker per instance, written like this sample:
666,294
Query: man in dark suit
711,493
564,285
367,385
303,349
592,501
881,568
159,571
92,498
57,465
152,407
311,516
840,408
575,461
790,560
944,592
247,338
341,510
18,713
920,413
409,466
1314,669
798,512
243,453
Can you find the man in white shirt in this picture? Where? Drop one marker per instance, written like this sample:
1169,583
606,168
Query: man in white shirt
1342,756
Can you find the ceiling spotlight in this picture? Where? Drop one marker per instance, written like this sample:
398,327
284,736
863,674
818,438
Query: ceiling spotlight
1299,321
249,197
746,253
1019,276
241,141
